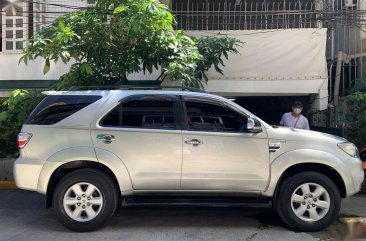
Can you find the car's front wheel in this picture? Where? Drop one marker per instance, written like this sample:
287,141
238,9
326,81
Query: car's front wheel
308,201
85,199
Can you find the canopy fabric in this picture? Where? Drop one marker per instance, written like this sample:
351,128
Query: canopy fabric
272,62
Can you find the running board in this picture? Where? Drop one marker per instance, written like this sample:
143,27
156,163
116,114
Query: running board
196,201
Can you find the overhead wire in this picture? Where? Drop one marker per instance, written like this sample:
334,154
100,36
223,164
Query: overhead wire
50,4
272,19
55,4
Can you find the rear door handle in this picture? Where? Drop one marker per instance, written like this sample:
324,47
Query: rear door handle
106,138
194,142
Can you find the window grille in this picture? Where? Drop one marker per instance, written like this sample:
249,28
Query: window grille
14,30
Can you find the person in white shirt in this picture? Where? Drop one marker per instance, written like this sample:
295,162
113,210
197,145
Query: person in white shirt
295,119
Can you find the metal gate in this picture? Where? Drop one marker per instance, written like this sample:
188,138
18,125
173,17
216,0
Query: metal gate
346,40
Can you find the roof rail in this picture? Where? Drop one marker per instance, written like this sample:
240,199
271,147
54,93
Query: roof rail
133,87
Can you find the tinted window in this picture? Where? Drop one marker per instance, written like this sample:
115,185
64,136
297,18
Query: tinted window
210,117
113,118
55,108
151,114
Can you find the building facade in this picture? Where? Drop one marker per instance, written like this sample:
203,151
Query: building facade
290,47
19,21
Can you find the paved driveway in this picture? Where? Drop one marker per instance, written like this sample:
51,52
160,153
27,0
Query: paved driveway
23,217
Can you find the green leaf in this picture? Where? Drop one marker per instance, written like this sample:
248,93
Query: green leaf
13,113
86,69
21,59
89,70
149,68
62,25
120,9
205,77
3,116
135,26
108,45
218,70
170,17
46,67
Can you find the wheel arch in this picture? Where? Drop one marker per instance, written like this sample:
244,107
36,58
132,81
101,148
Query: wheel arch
314,167
68,167
291,162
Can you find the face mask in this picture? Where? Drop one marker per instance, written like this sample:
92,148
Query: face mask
296,110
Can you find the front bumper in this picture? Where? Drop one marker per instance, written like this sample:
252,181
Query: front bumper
355,176
26,173
358,179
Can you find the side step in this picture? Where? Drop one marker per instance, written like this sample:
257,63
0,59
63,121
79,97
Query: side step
196,201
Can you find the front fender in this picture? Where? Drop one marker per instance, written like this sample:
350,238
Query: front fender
291,158
59,158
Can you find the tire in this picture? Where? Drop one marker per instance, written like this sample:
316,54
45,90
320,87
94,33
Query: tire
320,210
85,200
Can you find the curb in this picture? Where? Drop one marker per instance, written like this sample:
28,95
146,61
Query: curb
7,185
347,220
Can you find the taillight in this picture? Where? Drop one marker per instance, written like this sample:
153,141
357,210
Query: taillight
23,139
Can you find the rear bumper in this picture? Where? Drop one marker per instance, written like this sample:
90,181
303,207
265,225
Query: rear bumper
26,173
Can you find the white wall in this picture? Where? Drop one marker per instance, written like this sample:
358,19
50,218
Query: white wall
11,70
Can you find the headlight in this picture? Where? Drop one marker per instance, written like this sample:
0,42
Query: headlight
349,148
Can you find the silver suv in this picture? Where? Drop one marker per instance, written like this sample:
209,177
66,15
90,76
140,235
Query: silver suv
87,151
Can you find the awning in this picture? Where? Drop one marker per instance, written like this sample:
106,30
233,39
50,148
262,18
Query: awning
272,62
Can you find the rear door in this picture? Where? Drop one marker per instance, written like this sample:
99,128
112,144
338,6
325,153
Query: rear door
144,132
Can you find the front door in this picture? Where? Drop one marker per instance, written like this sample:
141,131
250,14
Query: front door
218,152
145,134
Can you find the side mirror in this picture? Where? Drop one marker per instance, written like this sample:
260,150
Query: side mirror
251,127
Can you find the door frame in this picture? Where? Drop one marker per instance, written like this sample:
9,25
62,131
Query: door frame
213,101
176,109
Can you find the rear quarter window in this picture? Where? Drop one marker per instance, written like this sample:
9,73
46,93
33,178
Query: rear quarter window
55,108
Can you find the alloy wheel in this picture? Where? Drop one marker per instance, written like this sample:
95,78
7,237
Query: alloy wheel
310,202
83,201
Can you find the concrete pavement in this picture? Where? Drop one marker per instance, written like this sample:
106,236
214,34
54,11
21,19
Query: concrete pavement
23,217
355,205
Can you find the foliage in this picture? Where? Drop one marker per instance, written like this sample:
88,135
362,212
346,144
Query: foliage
212,50
356,103
107,44
13,113
104,44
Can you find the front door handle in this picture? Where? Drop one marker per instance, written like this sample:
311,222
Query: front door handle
194,142
105,138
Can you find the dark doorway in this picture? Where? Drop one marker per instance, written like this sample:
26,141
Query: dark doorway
271,108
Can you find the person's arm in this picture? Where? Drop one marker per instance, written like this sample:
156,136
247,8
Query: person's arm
306,124
282,122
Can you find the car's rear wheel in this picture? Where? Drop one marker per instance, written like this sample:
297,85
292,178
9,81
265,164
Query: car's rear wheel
308,201
85,200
